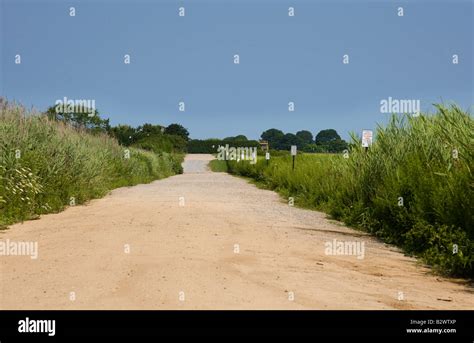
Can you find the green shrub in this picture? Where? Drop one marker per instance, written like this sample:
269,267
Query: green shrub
162,143
218,166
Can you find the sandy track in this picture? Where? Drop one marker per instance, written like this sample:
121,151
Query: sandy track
190,249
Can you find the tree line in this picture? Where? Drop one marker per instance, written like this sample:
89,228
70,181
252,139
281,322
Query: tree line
175,138
156,138
327,140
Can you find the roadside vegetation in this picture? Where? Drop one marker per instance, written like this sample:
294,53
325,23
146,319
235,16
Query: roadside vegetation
218,166
414,186
48,163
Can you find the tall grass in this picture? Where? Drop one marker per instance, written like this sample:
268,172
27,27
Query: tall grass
46,165
414,187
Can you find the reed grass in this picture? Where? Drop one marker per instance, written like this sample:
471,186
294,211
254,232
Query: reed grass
45,164
414,187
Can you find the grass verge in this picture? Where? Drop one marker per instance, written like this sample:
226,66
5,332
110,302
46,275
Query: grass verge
413,188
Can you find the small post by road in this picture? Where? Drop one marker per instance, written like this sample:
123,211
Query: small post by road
293,153
267,157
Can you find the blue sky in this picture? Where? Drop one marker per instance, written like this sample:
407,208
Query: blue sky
282,59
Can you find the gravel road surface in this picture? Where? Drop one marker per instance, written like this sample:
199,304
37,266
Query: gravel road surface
206,240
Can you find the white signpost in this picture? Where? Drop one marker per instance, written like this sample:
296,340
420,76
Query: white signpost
267,156
293,153
367,136
293,150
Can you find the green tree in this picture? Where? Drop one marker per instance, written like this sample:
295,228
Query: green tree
162,143
336,146
274,137
147,130
178,130
306,137
288,140
125,134
330,141
79,117
325,136
240,138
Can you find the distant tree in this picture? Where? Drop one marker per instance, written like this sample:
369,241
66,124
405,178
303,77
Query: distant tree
178,130
79,117
240,138
125,134
288,140
306,137
327,135
330,141
147,130
235,138
161,143
149,137
336,146
274,138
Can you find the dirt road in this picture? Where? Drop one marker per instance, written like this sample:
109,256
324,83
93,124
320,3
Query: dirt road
206,240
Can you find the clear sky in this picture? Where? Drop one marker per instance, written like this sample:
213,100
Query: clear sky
282,59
